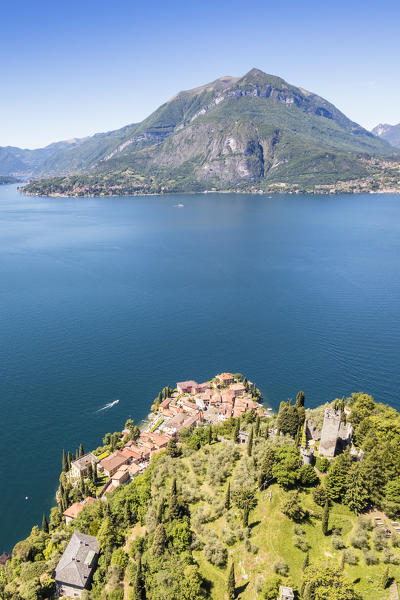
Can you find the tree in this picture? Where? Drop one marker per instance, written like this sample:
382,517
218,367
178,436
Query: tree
328,583
172,449
128,520
139,592
257,426
231,583
244,499
308,476
300,398
250,443
319,495
81,450
325,518
160,512
292,508
228,496
173,501
209,435
237,430
159,540
356,496
45,525
385,578
306,561
266,466
64,462
336,478
192,584
286,466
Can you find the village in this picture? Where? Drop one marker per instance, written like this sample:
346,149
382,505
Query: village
191,404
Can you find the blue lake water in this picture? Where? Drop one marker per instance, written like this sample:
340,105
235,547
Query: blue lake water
113,298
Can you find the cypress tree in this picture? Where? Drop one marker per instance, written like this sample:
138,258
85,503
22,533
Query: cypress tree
173,501
127,513
138,585
45,525
300,398
306,561
231,583
325,519
250,443
236,431
228,496
246,513
81,450
257,428
385,578
209,435
159,541
64,461
94,473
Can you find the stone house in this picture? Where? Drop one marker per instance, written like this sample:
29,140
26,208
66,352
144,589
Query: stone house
80,465
75,509
74,572
112,463
285,593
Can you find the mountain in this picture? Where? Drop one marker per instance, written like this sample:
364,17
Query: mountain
389,133
255,131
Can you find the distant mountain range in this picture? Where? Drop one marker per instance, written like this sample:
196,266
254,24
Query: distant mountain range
255,132
389,133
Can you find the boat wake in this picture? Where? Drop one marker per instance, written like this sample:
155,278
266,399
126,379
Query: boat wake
109,405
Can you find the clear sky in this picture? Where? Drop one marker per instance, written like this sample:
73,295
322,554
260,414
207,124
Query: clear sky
70,69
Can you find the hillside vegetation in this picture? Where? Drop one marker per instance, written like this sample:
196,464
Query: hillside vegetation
213,518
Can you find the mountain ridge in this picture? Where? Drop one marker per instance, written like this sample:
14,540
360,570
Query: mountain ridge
232,133
389,133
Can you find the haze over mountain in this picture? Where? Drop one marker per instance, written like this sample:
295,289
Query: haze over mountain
228,134
389,133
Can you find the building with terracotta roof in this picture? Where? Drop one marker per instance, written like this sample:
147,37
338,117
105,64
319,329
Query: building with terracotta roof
187,387
238,389
224,379
74,572
120,476
111,463
75,509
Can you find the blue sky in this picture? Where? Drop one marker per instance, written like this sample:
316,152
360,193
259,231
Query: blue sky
70,69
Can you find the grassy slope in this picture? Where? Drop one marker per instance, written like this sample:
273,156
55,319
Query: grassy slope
272,533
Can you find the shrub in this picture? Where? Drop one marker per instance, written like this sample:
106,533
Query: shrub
298,530
350,557
395,539
379,540
251,547
292,508
359,539
215,552
337,542
390,556
301,543
371,557
308,475
365,523
280,567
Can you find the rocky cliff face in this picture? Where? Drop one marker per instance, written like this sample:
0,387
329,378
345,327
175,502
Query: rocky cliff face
389,133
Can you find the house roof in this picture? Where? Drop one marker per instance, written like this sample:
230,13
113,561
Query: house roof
186,384
77,562
74,510
115,460
224,376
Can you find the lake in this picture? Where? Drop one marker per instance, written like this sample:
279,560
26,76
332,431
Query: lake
113,298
